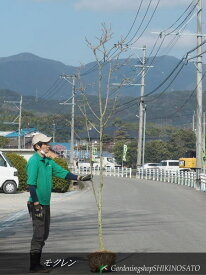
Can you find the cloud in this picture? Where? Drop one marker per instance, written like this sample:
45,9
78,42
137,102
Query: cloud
118,5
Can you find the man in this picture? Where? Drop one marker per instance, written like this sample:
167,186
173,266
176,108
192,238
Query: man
40,170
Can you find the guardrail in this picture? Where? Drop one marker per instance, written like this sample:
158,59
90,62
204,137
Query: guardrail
112,172
203,181
177,177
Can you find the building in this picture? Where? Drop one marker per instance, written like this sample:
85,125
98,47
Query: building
26,135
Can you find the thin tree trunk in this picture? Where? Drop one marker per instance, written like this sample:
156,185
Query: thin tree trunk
101,183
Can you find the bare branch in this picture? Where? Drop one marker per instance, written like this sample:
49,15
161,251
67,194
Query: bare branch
112,112
82,89
89,105
89,121
108,89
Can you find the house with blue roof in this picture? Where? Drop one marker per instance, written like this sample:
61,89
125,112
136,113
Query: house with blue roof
24,132
26,135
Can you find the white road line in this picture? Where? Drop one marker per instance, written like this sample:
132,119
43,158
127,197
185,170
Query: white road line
9,221
5,223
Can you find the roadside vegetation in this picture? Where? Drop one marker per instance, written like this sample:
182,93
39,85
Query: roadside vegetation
19,162
177,144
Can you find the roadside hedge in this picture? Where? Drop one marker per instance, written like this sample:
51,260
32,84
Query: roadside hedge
60,185
19,162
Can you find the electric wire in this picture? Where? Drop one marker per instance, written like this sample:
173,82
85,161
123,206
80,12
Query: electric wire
135,19
194,1
123,40
172,43
164,81
131,26
143,31
183,59
53,86
180,25
160,94
140,25
53,92
185,102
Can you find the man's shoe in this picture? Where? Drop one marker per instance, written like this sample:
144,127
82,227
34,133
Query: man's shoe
39,269
35,266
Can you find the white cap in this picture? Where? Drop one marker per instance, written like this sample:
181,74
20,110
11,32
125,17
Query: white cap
40,138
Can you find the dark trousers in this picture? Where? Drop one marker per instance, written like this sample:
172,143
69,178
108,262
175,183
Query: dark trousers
40,228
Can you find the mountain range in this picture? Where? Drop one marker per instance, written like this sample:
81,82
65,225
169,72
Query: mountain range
31,75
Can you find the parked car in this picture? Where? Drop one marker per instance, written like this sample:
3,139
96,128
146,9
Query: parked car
108,162
151,165
172,165
9,181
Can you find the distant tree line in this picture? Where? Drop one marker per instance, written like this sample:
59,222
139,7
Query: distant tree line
178,143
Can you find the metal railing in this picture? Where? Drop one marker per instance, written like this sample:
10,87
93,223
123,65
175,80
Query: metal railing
172,176
203,181
108,171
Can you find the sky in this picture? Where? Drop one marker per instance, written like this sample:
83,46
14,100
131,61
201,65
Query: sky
56,29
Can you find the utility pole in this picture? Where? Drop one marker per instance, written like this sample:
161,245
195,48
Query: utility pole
141,110
203,136
18,117
144,132
193,122
73,83
19,132
54,131
199,94
199,145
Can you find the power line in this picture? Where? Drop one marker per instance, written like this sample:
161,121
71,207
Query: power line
164,81
50,88
174,30
146,25
194,1
172,42
152,61
185,102
160,94
92,69
135,19
53,92
140,25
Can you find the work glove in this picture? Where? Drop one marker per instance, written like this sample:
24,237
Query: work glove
38,211
86,178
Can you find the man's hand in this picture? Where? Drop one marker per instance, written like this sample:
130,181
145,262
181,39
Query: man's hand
85,178
38,211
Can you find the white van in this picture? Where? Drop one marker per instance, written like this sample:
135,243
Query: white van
170,164
108,162
9,181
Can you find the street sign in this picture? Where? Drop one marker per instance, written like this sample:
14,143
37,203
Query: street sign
124,152
94,153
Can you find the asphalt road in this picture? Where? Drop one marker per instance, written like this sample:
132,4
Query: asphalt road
138,216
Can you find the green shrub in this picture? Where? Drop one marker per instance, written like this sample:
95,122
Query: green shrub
19,163
60,185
